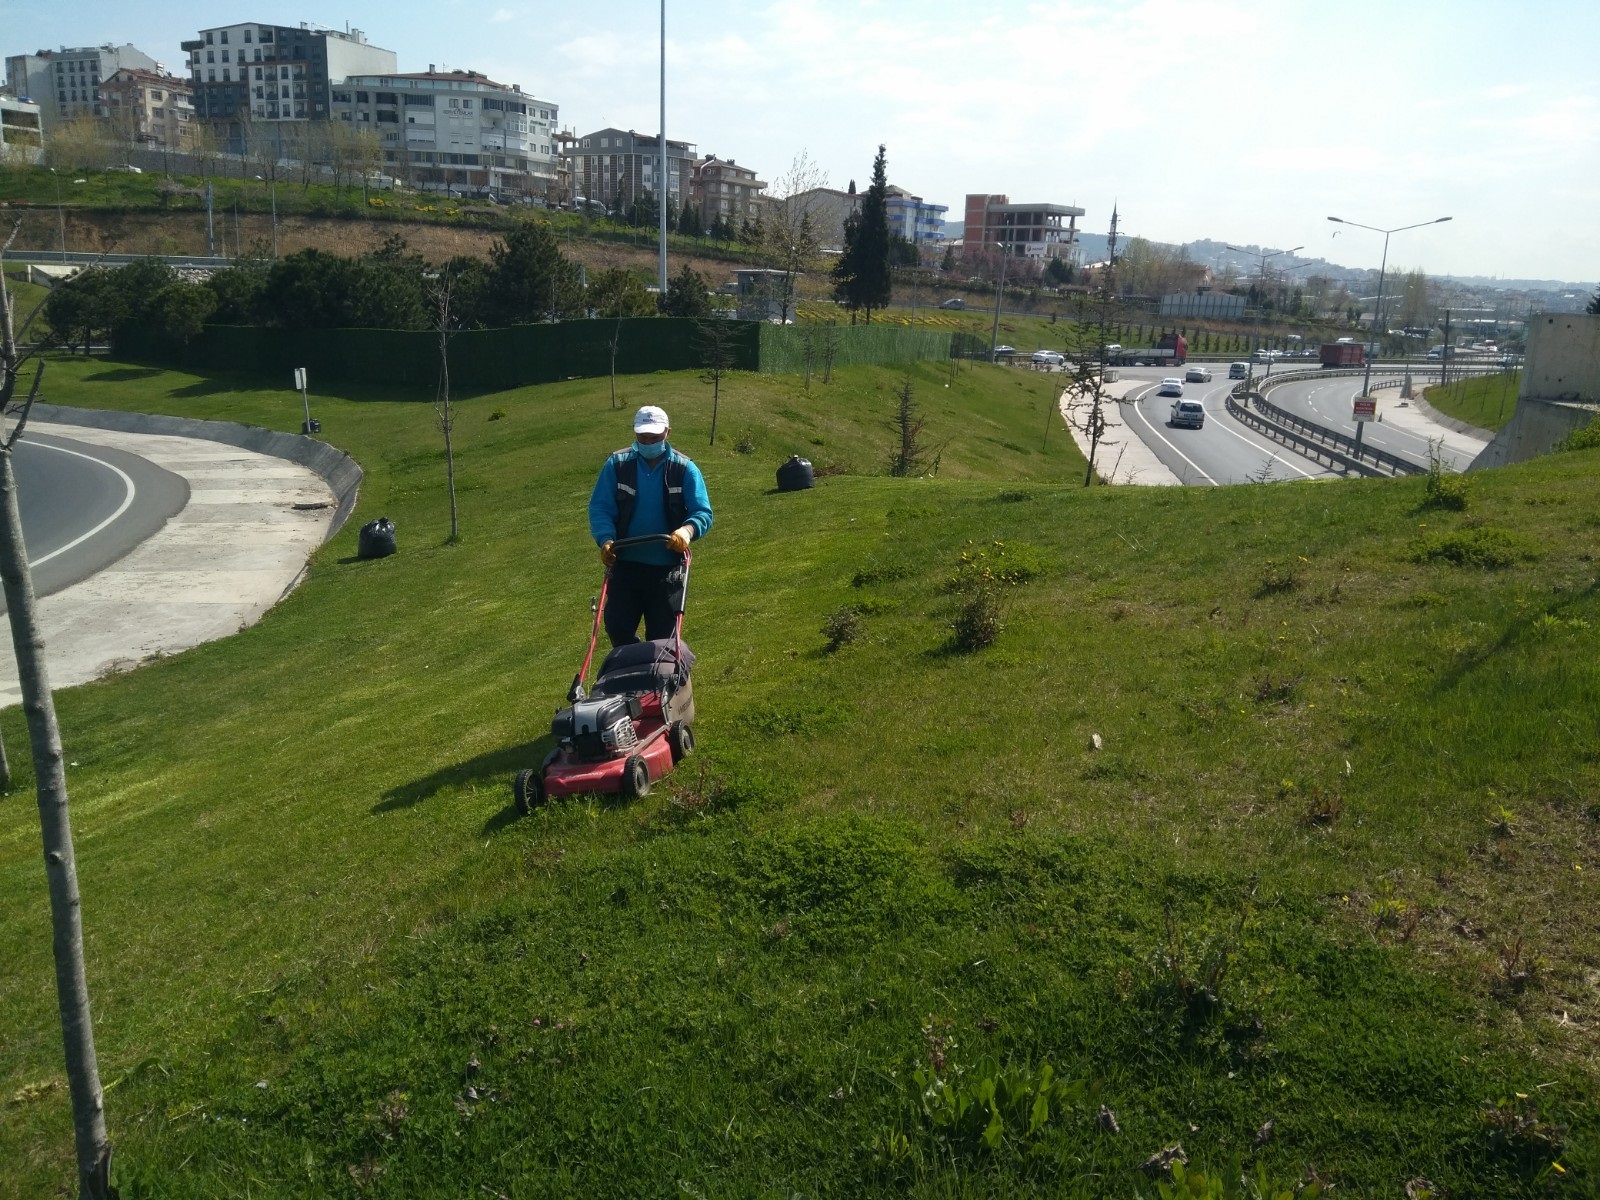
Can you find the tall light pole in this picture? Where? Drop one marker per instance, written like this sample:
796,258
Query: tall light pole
1377,305
1263,271
61,215
661,199
994,332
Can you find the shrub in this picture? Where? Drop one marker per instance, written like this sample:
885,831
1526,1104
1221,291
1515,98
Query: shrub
977,622
1444,489
1485,548
842,627
1009,563
1277,578
1587,438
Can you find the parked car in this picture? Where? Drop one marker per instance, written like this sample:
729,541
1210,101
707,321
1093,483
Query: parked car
1004,351
1171,386
129,169
1238,370
1049,358
1189,414
1197,375
954,302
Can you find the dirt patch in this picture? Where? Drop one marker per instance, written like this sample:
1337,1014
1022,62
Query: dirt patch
185,233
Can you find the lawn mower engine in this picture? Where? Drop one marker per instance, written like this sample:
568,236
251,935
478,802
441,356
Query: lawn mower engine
599,728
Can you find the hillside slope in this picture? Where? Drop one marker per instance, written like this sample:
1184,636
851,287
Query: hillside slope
1330,866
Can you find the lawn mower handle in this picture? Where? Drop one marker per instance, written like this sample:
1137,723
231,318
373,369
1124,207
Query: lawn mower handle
576,691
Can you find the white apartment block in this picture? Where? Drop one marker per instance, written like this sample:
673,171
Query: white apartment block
21,134
254,72
455,130
65,83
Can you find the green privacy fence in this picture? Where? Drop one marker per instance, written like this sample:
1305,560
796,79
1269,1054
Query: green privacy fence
784,347
491,360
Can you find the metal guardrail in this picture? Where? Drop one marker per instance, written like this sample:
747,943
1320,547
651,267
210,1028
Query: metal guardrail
1307,446
1383,462
80,258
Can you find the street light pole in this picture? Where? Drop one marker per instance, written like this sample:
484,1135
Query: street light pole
61,215
994,331
1377,304
1249,370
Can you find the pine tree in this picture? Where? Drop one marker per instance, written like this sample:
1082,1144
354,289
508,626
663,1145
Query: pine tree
863,273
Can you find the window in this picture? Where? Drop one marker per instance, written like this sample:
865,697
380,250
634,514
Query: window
225,78
224,37
261,93
266,36
258,74
361,97
246,37
224,56
61,68
466,104
454,102
156,95
603,142
211,56
258,54
586,146
211,76
208,39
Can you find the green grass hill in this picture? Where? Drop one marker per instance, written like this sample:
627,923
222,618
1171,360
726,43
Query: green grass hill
1267,823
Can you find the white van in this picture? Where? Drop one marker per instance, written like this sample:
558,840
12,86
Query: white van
1238,370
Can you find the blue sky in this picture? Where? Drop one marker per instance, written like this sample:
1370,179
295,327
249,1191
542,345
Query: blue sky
1250,121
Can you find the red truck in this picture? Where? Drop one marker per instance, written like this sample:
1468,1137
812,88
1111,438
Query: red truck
1343,354
1169,350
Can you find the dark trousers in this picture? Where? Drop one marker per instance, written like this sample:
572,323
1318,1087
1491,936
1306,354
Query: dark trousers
642,590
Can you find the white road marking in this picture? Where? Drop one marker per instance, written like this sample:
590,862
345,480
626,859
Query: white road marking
1226,426
1157,432
127,501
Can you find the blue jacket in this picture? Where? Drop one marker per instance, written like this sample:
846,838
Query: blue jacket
650,511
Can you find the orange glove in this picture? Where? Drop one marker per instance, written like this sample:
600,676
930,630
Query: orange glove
681,536
608,556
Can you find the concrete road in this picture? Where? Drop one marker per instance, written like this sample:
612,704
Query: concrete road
1223,451
84,506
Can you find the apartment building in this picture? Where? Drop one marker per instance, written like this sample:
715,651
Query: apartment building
909,216
21,130
149,108
256,73
612,163
66,83
913,218
721,187
1024,230
455,130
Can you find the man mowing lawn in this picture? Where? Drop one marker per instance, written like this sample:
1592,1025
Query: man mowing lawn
647,488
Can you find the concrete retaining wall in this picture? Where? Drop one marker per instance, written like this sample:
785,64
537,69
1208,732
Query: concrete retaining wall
342,473
1560,390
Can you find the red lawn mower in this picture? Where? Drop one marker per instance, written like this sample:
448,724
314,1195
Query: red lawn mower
632,727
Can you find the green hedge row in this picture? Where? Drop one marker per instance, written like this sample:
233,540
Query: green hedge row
491,360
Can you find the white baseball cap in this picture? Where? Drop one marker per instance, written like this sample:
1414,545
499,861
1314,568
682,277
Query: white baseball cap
650,419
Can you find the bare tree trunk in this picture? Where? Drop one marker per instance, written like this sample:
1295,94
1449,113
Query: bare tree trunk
446,415
60,864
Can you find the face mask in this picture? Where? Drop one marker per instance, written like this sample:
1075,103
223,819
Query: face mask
650,450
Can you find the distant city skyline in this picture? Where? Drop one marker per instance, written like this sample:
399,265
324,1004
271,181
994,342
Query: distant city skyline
1248,121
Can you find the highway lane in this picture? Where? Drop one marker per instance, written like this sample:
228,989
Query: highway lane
1221,452
83,506
1328,403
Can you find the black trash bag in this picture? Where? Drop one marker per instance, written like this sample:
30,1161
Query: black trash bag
377,539
795,475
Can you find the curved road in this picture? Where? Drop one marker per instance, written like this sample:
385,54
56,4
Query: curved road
84,507
1222,451
1327,402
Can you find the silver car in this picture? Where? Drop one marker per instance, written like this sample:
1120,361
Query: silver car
1197,375
1190,414
1171,386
